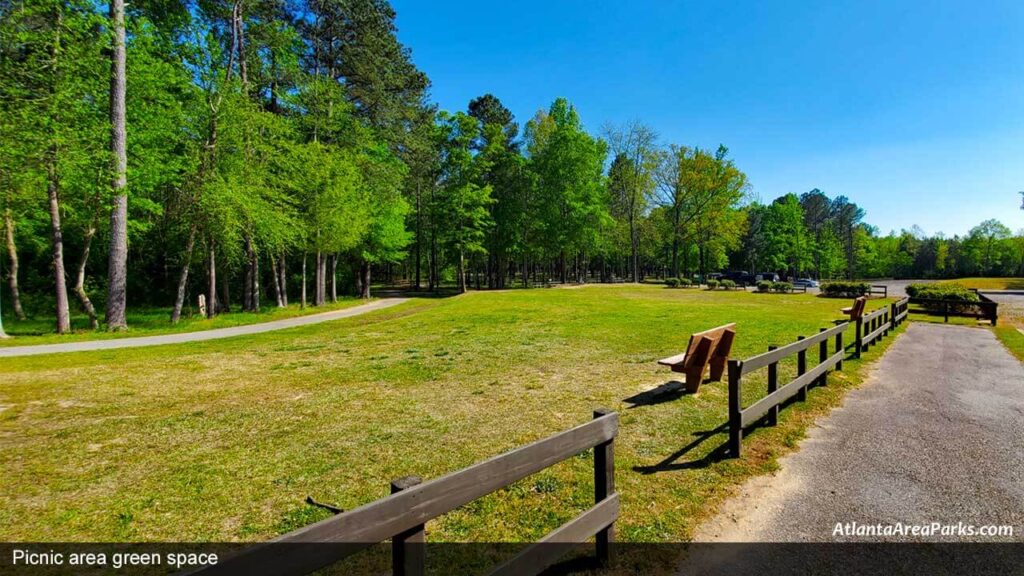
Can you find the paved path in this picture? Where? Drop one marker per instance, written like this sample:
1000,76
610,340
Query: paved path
200,335
935,435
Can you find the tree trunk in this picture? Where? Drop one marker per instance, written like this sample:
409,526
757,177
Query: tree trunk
364,273
255,265
318,280
12,273
57,245
634,259
323,279
211,295
303,304
277,281
79,288
419,235
247,279
118,263
224,302
334,278
462,272
283,271
179,300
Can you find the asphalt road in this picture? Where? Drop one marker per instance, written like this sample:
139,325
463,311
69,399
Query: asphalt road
935,435
200,335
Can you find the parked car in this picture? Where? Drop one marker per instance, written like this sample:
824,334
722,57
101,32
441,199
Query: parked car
805,283
769,276
741,277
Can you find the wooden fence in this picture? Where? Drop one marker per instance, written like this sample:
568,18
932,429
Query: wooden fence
879,290
402,516
985,309
868,330
740,418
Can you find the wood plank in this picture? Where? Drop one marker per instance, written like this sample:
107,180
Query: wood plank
577,531
762,360
875,314
673,360
878,332
758,409
381,519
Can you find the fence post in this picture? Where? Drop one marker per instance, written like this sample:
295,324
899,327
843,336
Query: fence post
822,356
945,310
801,367
408,548
839,348
604,486
735,415
859,337
773,385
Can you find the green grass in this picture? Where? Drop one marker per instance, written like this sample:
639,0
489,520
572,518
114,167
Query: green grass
151,322
224,440
989,283
1012,338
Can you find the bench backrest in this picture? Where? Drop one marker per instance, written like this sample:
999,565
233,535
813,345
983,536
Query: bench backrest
710,345
858,307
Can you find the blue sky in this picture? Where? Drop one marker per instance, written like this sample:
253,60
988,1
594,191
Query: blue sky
914,110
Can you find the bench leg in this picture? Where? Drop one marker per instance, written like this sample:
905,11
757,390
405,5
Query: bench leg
693,379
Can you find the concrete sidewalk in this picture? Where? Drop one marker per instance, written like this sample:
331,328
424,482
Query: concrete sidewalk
935,435
218,333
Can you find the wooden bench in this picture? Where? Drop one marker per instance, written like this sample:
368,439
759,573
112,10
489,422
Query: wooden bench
708,348
857,310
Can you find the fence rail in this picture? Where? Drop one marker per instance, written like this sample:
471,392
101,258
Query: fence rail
986,309
740,418
869,328
402,515
879,290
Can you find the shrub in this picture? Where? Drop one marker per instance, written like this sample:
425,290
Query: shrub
764,286
782,287
913,289
954,292
712,284
728,284
685,282
672,282
844,289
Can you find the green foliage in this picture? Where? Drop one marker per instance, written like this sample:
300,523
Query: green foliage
764,286
712,284
950,292
685,282
728,284
463,204
782,287
569,201
842,289
672,282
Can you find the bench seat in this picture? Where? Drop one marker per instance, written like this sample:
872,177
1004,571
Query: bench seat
673,360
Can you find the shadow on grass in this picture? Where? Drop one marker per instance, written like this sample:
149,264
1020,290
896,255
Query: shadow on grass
671,390
671,463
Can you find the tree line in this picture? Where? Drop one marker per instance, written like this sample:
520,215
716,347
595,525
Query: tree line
258,152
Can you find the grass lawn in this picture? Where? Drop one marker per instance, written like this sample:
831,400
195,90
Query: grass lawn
151,322
1012,338
224,440
989,283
